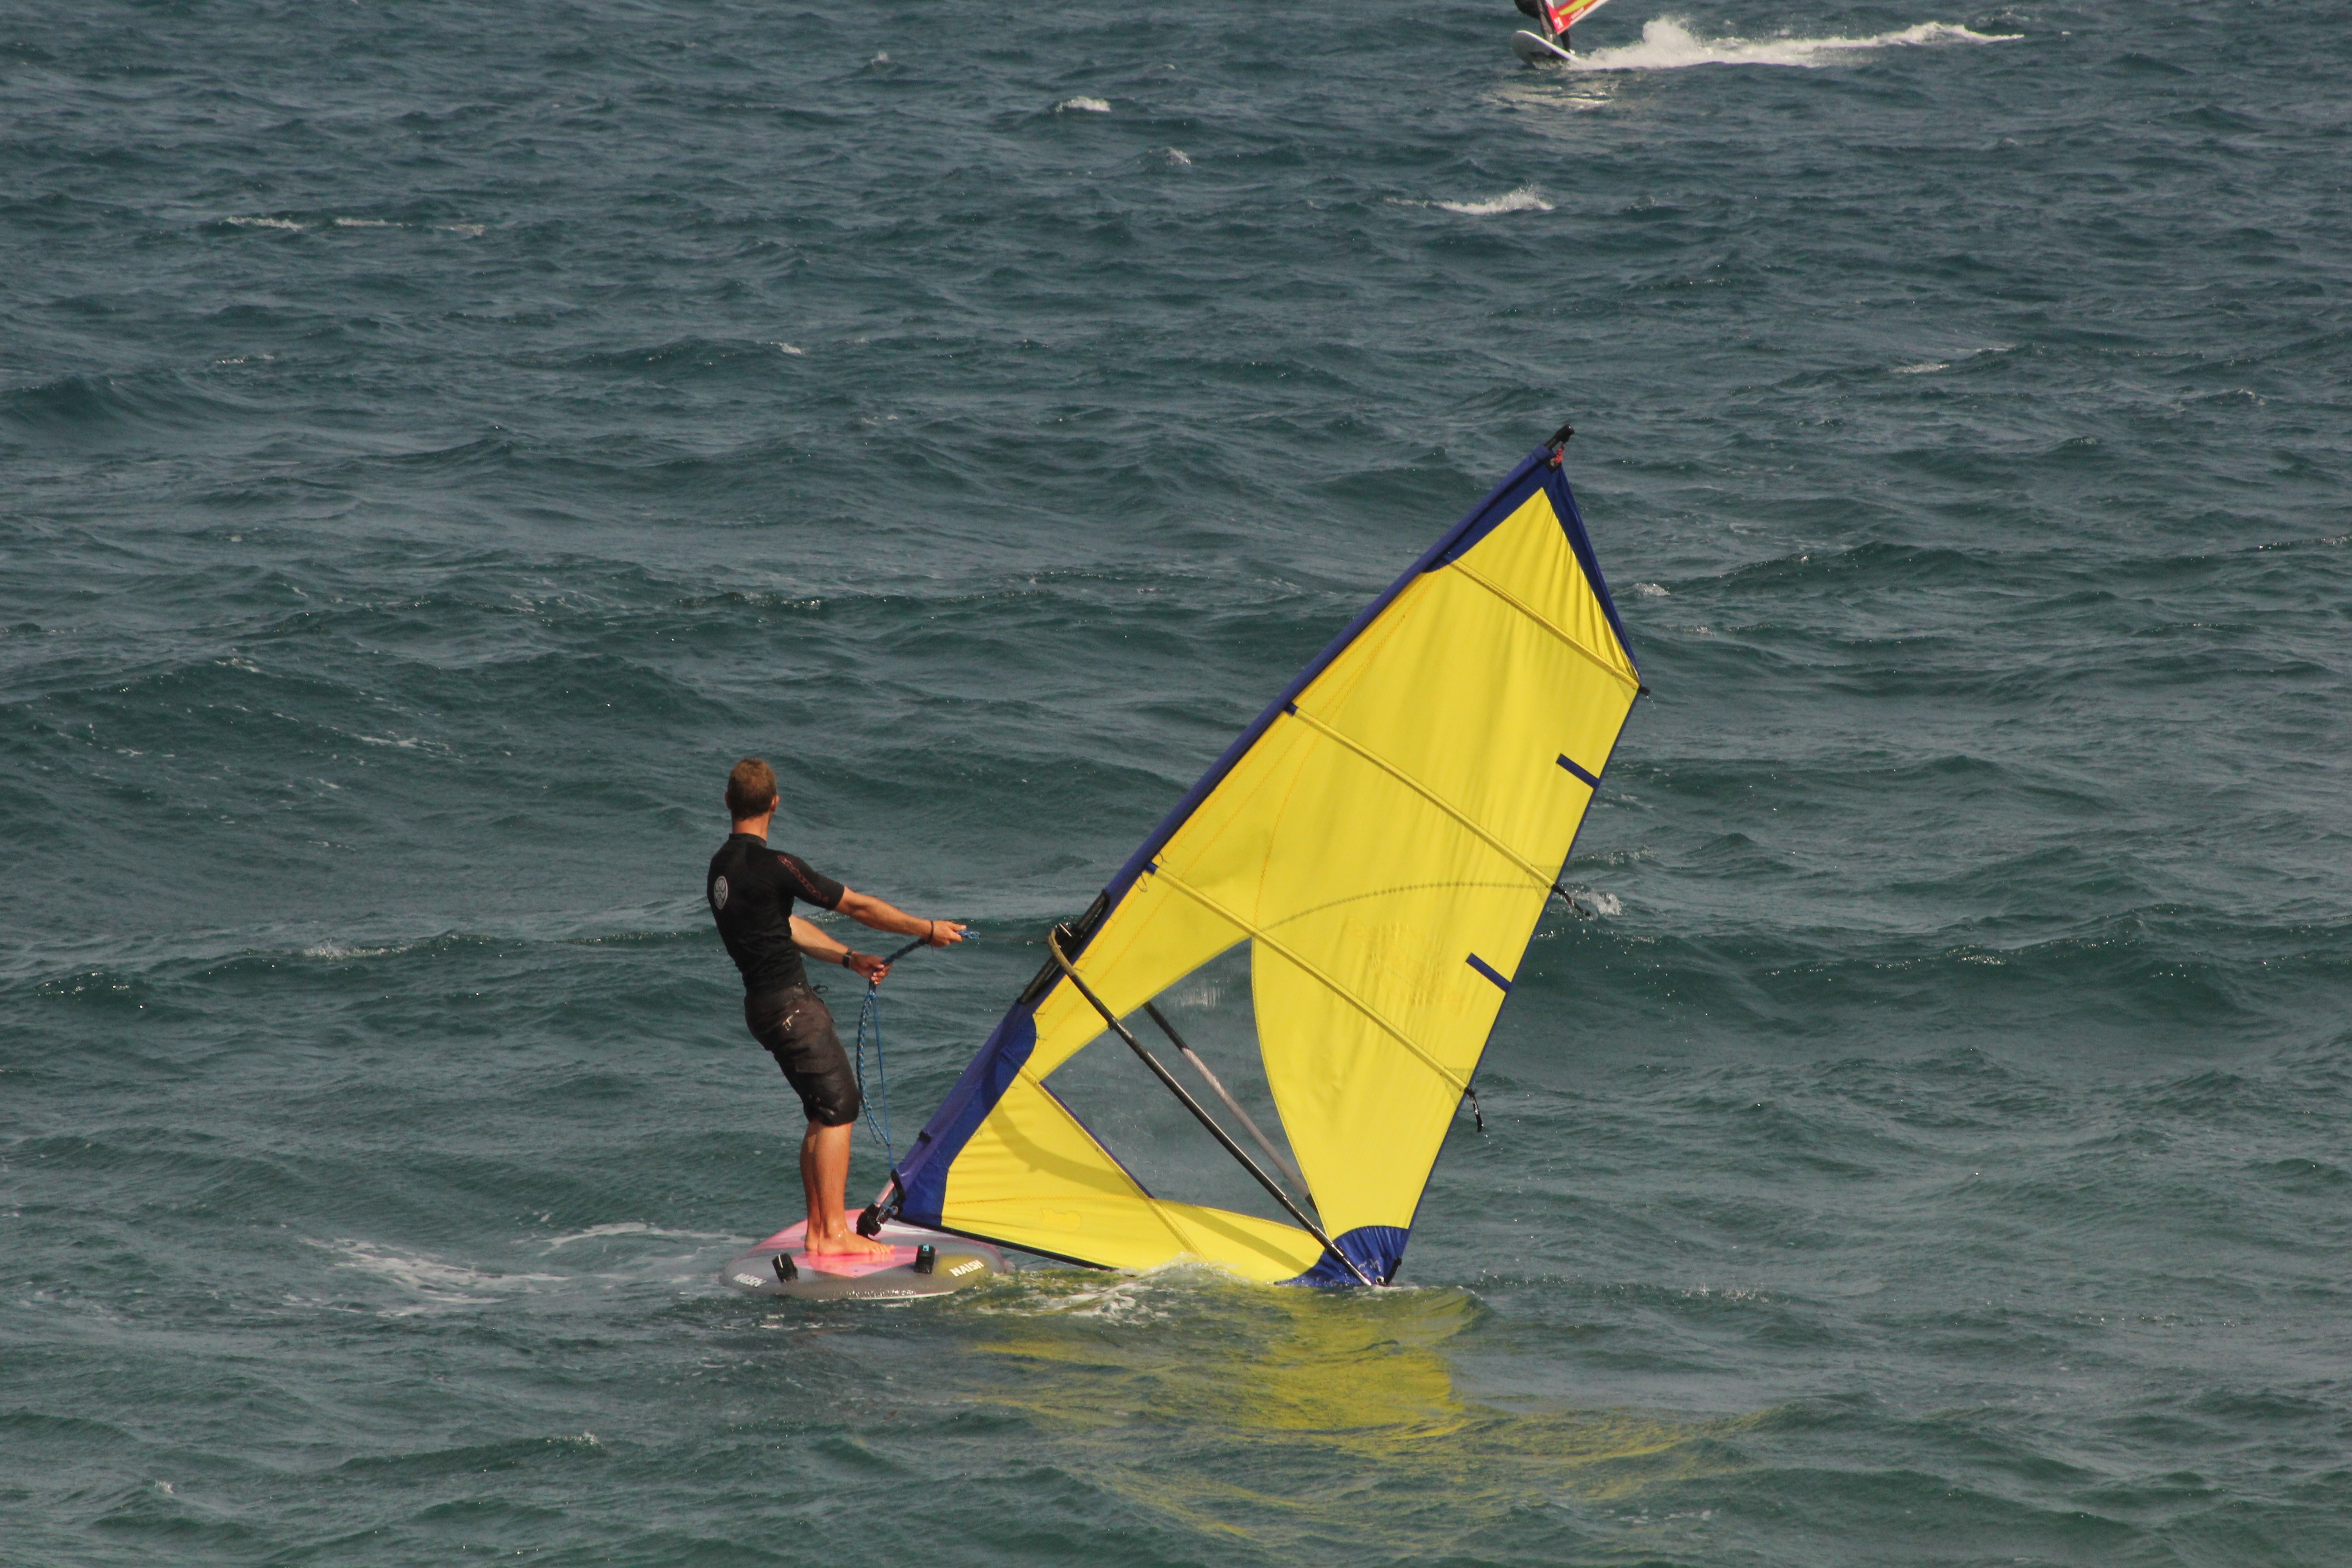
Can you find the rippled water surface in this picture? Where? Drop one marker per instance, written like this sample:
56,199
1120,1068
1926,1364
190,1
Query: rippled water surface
435,440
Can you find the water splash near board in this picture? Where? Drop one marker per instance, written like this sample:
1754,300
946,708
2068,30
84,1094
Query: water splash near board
954,1264
1669,45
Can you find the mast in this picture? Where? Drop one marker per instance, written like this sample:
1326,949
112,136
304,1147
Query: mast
1053,945
1231,1104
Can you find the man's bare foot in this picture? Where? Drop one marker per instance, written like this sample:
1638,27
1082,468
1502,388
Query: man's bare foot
847,1241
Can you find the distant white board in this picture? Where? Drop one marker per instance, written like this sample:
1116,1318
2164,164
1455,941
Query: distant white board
1537,50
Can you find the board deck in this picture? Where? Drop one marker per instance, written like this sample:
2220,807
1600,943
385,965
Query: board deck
836,1277
1537,50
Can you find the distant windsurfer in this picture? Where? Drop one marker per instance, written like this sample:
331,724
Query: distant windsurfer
1552,19
750,889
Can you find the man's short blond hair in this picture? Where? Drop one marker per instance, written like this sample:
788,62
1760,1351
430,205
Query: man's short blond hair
751,789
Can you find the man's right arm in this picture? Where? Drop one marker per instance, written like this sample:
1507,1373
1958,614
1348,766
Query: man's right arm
811,939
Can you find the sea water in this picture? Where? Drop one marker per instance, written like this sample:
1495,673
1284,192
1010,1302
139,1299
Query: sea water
436,440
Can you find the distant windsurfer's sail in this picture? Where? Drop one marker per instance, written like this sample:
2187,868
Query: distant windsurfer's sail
1384,836
1557,18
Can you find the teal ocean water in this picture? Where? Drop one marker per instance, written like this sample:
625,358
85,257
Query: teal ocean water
436,440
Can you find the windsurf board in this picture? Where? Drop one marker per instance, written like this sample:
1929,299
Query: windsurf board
1537,50
953,1263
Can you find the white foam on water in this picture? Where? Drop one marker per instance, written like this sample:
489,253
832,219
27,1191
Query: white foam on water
364,223
1651,591
1143,1297
438,1284
1176,155
1668,45
345,949
633,1228
1930,366
1123,1300
1526,199
470,230
1082,105
283,223
1199,994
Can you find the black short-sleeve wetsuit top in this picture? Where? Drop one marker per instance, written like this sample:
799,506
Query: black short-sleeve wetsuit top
751,889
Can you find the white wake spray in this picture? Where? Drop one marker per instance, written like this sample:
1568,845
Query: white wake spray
1667,45
1526,199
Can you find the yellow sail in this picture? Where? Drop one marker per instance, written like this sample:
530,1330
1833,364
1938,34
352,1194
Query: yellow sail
1384,837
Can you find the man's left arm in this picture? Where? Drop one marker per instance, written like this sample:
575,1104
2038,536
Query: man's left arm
869,911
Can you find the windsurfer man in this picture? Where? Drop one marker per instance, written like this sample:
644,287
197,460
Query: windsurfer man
1552,18
750,889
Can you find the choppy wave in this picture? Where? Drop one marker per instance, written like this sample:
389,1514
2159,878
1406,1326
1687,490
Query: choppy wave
119,408
290,224
1526,199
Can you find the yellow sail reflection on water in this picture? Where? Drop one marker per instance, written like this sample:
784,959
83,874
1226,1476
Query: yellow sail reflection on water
1384,838
1272,1418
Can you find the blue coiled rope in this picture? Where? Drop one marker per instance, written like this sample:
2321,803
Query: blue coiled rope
869,1013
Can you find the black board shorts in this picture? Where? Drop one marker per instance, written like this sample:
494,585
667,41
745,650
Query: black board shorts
797,1029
